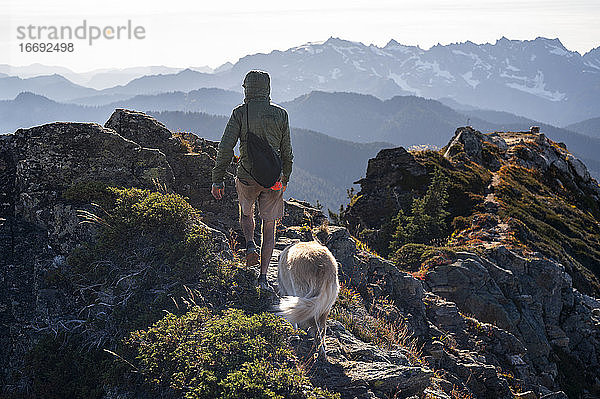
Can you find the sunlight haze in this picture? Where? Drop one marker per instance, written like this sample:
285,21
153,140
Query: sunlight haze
186,33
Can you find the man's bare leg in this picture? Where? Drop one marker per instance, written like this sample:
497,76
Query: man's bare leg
247,223
267,245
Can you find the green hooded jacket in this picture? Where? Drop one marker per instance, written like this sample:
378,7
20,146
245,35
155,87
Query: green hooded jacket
266,119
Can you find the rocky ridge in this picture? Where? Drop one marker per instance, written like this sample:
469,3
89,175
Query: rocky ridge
486,324
501,269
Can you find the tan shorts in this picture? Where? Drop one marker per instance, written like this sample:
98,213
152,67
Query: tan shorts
270,202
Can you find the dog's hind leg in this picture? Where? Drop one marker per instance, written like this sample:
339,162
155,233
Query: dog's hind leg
321,324
320,336
293,293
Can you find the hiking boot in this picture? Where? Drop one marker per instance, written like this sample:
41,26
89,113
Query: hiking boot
252,255
263,284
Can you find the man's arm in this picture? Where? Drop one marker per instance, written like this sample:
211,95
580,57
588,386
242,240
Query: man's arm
286,152
228,141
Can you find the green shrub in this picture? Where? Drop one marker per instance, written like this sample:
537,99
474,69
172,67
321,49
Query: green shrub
232,355
411,257
149,245
427,219
142,215
262,380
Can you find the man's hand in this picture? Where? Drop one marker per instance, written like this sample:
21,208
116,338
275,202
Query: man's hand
217,190
279,186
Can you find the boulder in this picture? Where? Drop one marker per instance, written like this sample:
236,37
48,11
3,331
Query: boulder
191,158
358,369
40,226
468,140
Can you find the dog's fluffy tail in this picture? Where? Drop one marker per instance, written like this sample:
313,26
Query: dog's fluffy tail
298,310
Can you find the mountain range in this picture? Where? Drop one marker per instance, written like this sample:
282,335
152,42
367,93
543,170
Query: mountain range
539,79
401,120
590,127
346,96
98,78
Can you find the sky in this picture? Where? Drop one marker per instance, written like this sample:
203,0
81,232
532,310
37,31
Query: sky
196,33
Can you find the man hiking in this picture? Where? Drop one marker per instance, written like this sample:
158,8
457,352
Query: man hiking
269,122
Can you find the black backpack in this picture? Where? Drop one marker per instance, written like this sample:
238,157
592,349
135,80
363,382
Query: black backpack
265,163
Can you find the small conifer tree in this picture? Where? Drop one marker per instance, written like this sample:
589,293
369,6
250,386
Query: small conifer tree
427,219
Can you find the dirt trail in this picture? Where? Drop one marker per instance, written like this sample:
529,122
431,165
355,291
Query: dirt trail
499,234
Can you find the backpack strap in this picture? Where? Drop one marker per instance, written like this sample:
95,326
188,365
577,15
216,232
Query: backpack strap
247,130
245,138
247,123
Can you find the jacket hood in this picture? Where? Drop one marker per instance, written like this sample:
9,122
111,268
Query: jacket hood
257,86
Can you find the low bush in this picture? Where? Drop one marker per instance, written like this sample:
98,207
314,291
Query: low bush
427,219
228,355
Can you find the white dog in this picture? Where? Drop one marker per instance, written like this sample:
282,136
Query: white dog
309,286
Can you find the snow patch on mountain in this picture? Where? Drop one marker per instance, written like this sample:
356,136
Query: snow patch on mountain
468,77
357,65
558,49
375,72
538,87
511,67
379,52
435,68
400,81
476,59
593,65
506,75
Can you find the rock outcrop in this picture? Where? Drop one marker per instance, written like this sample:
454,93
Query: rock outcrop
39,227
512,262
390,176
191,158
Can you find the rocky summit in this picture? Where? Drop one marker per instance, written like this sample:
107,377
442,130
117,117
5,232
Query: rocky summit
519,250
469,272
